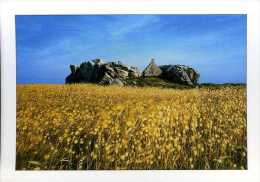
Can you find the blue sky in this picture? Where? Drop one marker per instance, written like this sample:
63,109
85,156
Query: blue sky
215,45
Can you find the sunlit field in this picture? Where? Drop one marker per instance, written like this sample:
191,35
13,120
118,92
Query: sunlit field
97,127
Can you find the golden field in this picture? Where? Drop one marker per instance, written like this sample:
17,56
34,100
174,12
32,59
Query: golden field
96,127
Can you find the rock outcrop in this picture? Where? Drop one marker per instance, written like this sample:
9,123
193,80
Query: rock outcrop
180,74
117,73
151,70
97,71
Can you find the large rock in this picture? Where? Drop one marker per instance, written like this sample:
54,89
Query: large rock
89,71
180,74
97,71
151,70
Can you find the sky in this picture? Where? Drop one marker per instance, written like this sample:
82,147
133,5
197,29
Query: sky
214,45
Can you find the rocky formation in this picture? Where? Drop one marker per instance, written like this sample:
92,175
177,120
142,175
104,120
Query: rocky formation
116,73
180,74
152,70
97,71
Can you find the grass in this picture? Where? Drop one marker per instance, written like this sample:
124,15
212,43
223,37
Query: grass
162,83
86,127
154,82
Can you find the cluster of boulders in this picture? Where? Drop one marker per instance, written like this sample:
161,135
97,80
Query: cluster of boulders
98,71
109,73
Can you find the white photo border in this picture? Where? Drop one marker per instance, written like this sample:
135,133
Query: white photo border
8,87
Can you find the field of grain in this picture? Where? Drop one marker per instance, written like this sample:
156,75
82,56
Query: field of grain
93,127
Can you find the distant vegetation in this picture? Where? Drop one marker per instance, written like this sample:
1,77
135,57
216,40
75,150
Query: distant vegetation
154,82
214,85
163,83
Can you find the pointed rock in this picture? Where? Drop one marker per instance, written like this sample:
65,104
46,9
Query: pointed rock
152,69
